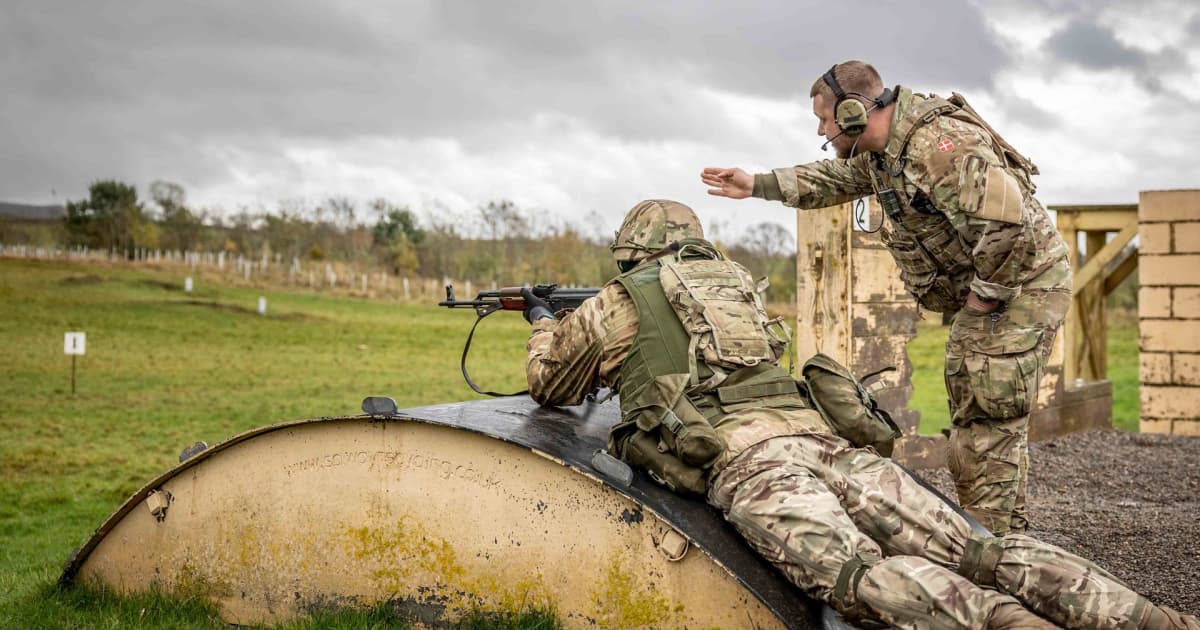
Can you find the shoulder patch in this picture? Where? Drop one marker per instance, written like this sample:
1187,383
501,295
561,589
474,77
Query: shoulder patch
944,144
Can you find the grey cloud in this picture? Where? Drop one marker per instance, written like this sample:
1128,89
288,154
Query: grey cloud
1094,47
1027,111
123,89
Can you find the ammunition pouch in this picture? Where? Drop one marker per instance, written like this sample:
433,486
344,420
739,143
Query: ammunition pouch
935,289
649,452
677,446
847,406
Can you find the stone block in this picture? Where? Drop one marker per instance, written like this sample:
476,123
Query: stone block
1170,269
1186,301
1154,302
1171,402
1186,427
1154,426
1169,205
1185,369
1154,238
1187,236
1170,335
1155,368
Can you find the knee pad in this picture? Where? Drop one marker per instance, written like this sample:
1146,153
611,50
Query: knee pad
846,587
980,559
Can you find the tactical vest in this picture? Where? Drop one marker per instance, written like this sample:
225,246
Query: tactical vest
704,348
935,263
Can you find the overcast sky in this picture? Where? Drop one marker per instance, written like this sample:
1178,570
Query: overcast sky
569,109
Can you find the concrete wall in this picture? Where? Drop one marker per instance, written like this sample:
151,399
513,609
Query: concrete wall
1169,310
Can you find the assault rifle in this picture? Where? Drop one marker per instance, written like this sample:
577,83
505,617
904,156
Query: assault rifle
510,299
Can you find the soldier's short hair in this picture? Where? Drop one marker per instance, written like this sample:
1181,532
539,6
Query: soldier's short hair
852,76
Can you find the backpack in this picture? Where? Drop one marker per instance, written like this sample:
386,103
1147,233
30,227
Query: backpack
846,404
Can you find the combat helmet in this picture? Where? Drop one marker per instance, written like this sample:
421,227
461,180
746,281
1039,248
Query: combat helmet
652,225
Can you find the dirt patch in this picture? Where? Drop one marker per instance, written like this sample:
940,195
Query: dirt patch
240,310
1128,501
161,284
90,278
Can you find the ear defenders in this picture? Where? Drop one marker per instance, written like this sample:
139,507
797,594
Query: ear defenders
850,114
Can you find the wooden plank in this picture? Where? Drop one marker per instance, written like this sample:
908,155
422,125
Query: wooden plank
1097,337
1109,218
823,272
1095,264
1083,352
1071,332
1065,220
1116,274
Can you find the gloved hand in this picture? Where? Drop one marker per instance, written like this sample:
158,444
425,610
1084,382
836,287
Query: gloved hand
535,307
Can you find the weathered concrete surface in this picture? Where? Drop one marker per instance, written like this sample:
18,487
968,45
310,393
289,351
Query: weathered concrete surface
425,511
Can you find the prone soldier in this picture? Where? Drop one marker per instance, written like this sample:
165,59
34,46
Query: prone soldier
683,336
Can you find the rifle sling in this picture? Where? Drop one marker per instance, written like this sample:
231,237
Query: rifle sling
463,362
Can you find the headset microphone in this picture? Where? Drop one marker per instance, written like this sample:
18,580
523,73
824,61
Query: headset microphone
825,146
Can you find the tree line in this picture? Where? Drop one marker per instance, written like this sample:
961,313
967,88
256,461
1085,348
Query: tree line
497,242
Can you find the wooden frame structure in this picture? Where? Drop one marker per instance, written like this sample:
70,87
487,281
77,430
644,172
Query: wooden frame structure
1106,264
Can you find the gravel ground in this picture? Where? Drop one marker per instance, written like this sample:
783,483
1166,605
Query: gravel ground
1128,501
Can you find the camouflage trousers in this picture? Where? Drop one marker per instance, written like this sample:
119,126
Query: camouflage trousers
854,529
994,364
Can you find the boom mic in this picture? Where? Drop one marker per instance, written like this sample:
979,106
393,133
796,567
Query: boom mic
825,146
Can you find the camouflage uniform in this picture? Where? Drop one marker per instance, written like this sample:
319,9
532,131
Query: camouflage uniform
845,525
962,217
810,503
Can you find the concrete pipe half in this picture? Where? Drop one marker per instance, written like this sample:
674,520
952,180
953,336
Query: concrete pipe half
489,505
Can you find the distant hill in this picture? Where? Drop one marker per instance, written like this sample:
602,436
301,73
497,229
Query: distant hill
27,212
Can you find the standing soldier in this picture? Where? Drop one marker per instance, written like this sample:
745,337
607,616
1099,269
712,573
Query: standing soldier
969,238
707,411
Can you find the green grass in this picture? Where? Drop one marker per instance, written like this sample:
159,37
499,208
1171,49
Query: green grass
164,369
927,353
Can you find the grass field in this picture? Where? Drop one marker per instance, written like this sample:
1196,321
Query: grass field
164,369
927,353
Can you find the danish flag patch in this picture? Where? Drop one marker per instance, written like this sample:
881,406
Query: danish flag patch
945,145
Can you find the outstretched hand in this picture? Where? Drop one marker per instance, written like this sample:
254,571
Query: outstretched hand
728,182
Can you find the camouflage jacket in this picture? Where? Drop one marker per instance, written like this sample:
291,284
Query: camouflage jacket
569,357
967,216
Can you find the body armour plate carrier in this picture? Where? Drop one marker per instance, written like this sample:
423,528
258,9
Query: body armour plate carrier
704,348
935,264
